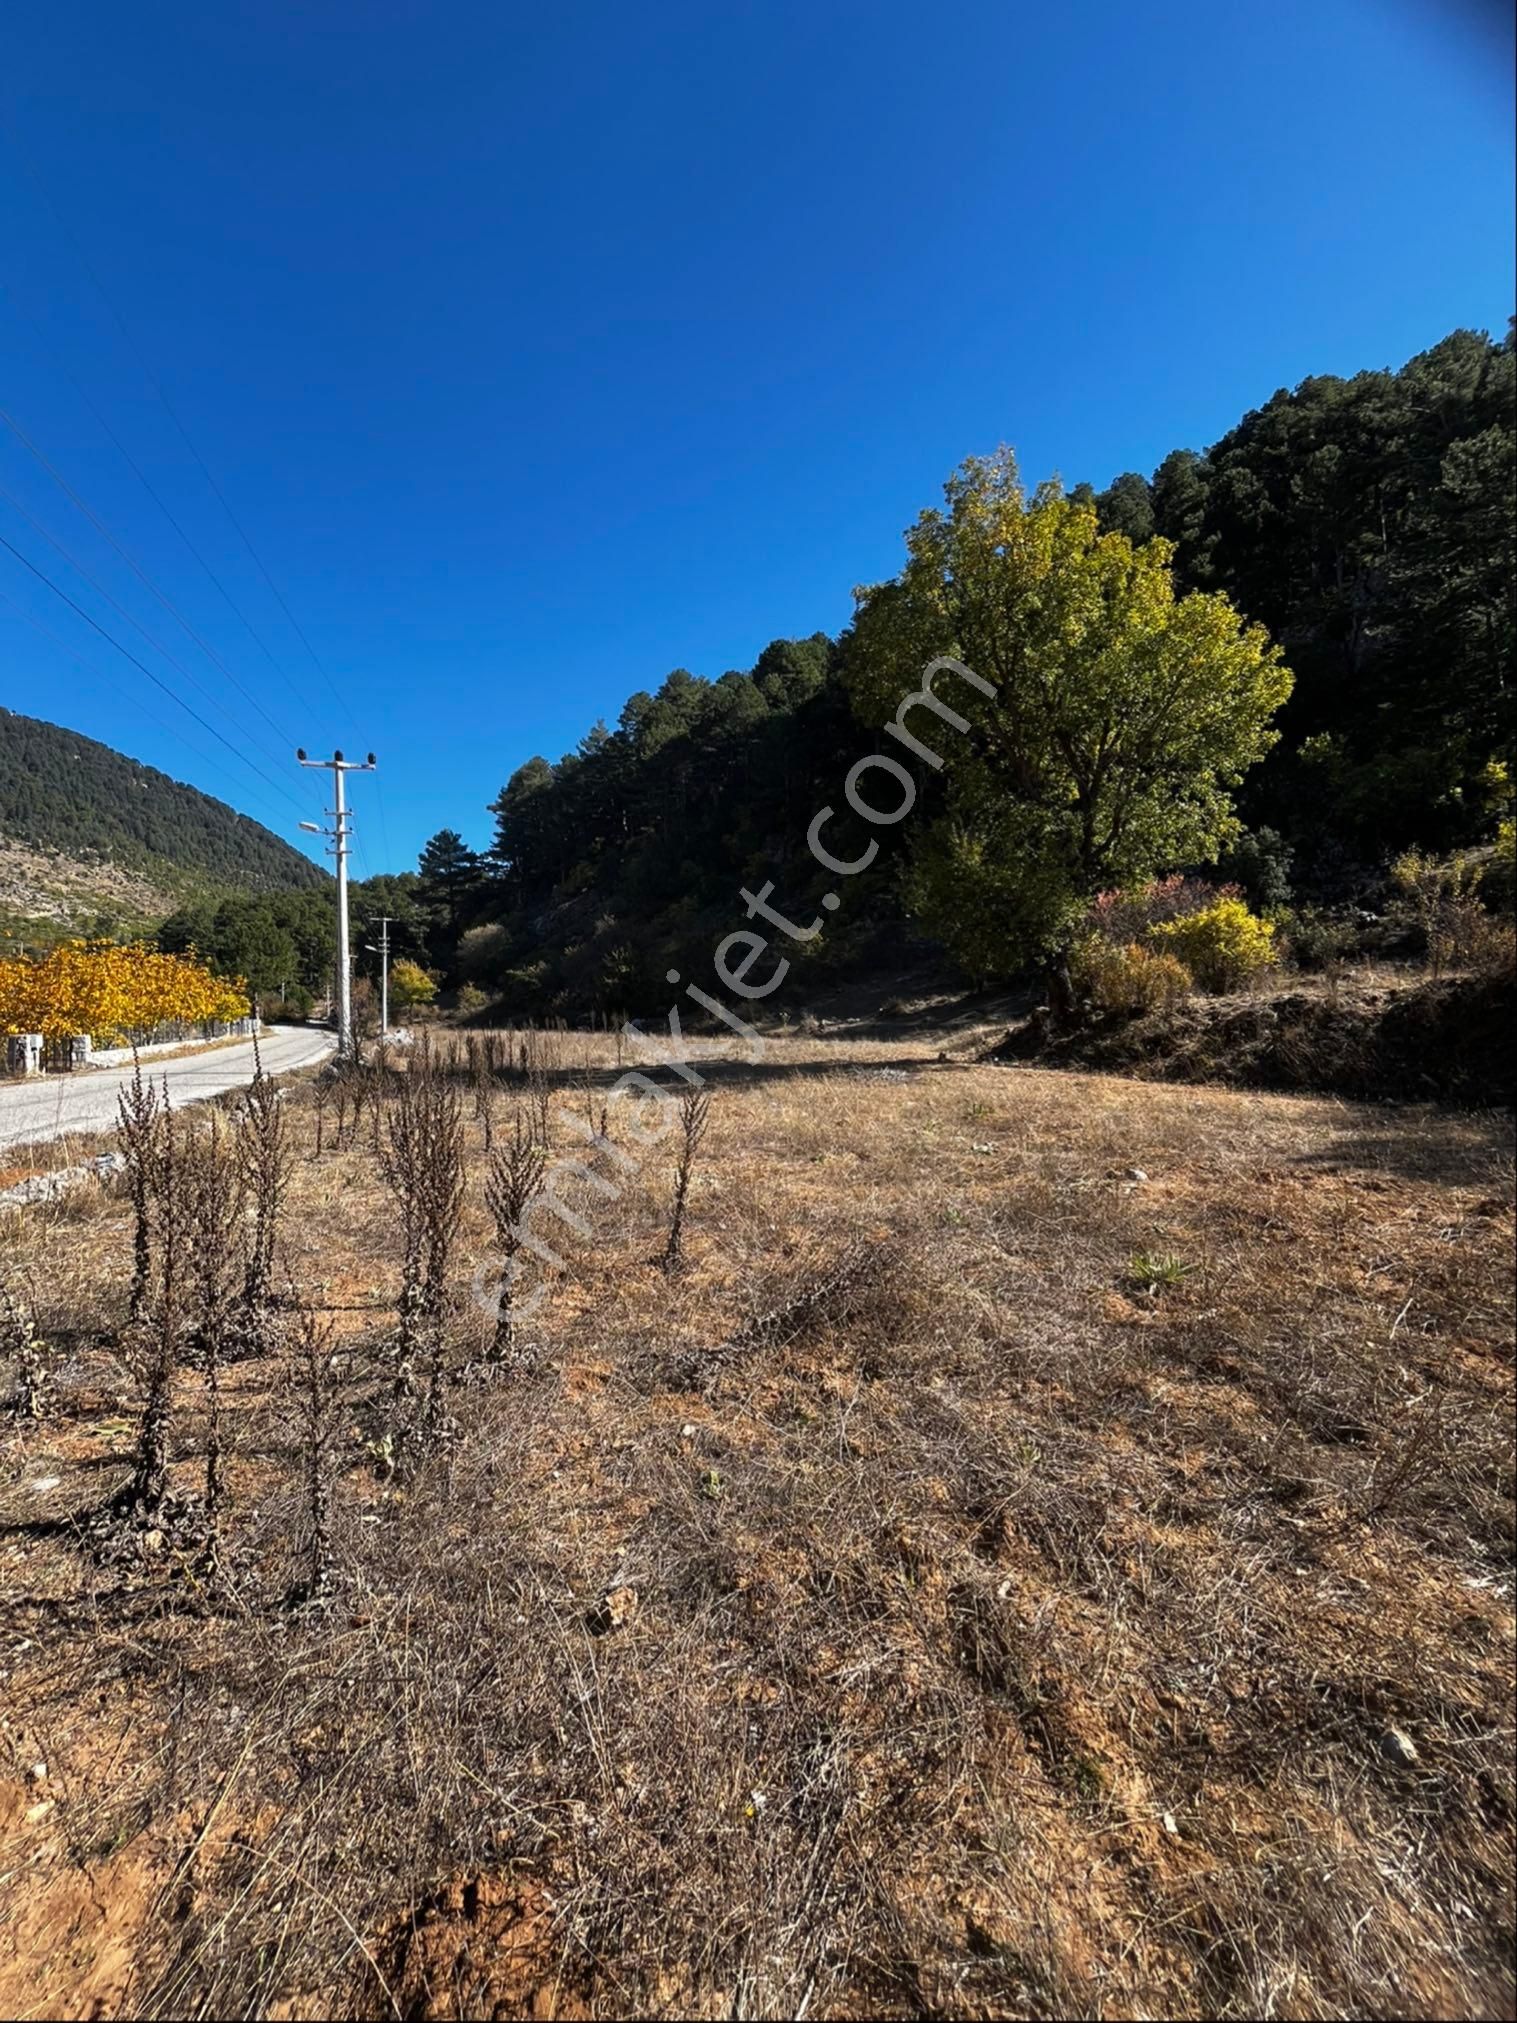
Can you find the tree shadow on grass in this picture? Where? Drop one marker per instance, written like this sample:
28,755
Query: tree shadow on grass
1449,1148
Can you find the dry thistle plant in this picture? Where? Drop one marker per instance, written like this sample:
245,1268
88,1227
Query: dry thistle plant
515,1176
379,1080
137,1138
216,1200
315,1382
402,1167
160,1331
351,1086
362,1093
587,1092
694,1115
421,1162
443,1201
482,1077
33,1395
826,1295
539,1103
857,1287
264,1161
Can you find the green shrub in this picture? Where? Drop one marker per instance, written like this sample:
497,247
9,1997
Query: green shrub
483,953
1127,982
1157,1271
293,1006
1260,861
1223,946
1315,940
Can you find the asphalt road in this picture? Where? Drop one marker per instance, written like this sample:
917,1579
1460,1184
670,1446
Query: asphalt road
54,1106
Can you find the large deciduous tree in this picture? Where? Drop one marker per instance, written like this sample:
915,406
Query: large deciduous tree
1122,714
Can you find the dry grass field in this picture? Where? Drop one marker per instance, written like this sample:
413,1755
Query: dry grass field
1048,1553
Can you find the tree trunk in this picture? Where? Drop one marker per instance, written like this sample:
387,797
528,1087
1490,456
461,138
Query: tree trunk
1062,1015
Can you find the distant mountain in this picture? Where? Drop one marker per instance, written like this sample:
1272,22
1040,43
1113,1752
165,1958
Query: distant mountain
92,840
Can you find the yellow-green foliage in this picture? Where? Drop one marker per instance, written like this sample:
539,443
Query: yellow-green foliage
410,984
1460,933
1128,981
1106,715
1222,946
1430,882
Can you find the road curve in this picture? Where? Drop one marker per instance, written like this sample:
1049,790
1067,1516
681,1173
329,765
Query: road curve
55,1106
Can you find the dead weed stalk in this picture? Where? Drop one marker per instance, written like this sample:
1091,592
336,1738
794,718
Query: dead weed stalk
514,1179
265,1160
694,1116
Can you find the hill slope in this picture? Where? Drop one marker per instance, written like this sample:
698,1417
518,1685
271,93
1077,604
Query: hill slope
86,832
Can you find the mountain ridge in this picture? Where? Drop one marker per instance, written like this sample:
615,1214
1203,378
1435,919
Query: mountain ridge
94,840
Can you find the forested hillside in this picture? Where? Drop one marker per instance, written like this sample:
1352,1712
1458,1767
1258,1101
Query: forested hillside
1369,525
64,794
1366,523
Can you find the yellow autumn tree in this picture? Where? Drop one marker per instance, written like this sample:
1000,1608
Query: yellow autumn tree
111,992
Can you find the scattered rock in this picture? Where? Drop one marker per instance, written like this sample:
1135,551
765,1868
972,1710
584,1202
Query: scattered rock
49,1186
43,1484
1399,1747
1136,1174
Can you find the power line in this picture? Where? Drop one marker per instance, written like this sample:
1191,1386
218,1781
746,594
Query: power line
152,378
147,485
384,827
169,408
138,571
127,654
76,659
100,590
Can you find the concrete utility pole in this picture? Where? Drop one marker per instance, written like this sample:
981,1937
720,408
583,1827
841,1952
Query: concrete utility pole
337,846
381,948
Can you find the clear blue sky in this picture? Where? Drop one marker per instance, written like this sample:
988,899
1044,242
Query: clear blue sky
541,351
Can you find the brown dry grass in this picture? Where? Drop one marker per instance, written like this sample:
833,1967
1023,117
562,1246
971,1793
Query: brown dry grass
998,1638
